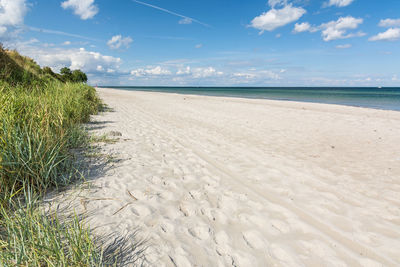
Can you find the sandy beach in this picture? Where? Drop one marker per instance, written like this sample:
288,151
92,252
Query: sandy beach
215,181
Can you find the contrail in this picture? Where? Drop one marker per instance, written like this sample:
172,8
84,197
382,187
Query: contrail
172,13
59,33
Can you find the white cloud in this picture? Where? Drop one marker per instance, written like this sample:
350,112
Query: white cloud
83,8
205,72
150,71
187,74
12,13
184,71
389,23
304,27
244,75
344,46
334,30
118,41
254,75
200,72
270,74
339,3
391,34
275,18
274,3
186,21
199,46
74,58
67,43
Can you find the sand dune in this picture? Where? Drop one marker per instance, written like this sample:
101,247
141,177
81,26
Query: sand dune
240,182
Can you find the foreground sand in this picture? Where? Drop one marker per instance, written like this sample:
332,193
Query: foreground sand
240,182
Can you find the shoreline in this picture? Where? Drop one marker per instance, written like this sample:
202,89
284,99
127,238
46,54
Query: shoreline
255,182
259,98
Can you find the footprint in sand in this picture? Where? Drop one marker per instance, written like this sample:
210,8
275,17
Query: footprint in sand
279,227
241,259
155,180
188,178
220,217
227,204
222,241
319,250
171,213
167,227
253,239
170,184
208,213
282,254
187,209
200,232
213,182
179,260
221,238
166,195
140,210
195,194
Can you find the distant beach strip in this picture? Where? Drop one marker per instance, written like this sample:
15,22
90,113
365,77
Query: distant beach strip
377,98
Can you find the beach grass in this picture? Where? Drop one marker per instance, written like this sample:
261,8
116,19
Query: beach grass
40,128
30,237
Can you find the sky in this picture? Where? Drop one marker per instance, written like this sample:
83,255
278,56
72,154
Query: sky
211,42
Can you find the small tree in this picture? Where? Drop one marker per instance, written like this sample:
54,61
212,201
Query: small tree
79,76
66,74
65,71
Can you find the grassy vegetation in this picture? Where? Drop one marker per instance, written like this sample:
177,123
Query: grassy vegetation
40,119
38,128
31,238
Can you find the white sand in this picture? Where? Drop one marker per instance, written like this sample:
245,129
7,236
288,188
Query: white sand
241,182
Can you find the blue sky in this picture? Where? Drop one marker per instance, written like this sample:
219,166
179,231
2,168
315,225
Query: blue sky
211,43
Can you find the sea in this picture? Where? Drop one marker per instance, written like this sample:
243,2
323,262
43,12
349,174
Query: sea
377,98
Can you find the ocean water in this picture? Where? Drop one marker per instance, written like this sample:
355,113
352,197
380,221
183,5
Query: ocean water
378,98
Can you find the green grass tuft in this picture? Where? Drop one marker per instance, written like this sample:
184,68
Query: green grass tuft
30,237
